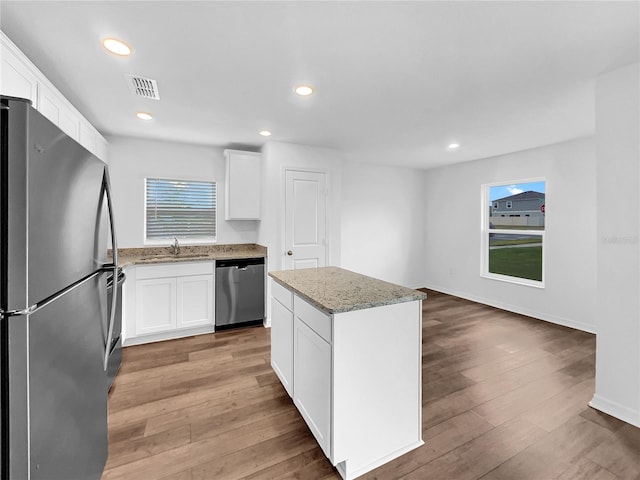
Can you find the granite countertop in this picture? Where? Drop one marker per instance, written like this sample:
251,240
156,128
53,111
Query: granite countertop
335,290
188,253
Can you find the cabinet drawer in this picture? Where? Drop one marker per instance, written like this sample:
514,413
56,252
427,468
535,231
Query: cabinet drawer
314,318
282,294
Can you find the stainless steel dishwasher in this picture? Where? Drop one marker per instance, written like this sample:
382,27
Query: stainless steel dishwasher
240,293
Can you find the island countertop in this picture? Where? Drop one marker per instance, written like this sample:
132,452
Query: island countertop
336,290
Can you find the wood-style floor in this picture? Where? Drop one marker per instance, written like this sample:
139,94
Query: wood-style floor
504,397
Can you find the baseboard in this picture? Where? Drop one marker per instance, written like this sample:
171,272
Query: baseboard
351,474
170,335
565,322
615,409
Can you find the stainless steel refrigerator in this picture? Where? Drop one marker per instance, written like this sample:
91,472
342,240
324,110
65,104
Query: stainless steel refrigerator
56,332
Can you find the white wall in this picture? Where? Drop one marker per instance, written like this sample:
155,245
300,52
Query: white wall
131,160
355,211
382,222
618,247
278,156
453,219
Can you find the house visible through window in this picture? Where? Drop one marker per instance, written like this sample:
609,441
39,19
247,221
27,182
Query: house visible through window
513,240
179,208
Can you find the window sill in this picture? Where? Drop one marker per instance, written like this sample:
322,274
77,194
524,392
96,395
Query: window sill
516,280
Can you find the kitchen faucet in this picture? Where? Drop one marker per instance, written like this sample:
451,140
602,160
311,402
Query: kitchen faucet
176,246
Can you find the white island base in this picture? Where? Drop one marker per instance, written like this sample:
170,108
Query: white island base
355,377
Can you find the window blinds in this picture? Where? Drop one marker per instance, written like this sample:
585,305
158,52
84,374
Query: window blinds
178,208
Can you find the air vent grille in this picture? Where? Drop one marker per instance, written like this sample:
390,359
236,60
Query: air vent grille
143,87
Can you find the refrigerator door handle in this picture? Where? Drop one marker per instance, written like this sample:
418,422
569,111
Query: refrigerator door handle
106,182
40,305
114,248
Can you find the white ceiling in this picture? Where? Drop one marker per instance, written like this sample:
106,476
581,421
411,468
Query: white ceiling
396,81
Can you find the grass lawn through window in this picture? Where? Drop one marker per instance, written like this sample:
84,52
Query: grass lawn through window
521,262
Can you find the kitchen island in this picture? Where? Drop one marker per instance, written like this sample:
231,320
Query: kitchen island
348,350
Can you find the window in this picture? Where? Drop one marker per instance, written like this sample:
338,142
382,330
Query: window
513,245
496,204
179,208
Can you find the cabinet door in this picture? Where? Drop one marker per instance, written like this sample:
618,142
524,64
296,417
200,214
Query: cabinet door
155,305
195,301
312,382
16,79
53,106
87,137
282,344
243,180
102,148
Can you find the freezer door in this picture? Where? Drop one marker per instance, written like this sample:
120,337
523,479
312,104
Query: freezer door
67,415
57,208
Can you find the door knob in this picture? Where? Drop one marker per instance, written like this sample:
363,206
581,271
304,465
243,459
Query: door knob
289,253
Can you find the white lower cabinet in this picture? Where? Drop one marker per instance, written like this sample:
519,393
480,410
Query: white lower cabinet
168,301
312,382
282,344
155,305
354,376
194,298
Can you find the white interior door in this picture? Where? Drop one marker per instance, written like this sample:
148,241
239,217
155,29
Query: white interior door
305,222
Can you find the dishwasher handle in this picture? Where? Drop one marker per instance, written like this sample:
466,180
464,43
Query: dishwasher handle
239,263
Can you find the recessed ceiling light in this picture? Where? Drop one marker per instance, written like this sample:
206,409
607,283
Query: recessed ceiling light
144,116
117,46
265,133
453,146
304,90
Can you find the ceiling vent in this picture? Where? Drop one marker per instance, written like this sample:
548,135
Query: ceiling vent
143,87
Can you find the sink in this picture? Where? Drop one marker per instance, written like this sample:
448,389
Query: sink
176,257
154,257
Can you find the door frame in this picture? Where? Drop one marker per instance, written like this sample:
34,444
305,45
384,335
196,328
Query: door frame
283,206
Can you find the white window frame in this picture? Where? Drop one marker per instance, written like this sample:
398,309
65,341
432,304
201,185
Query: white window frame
182,241
485,208
509,204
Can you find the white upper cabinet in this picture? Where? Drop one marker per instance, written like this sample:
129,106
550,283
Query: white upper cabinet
53,106
16,79
243,185
87,139
102,146
21,78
